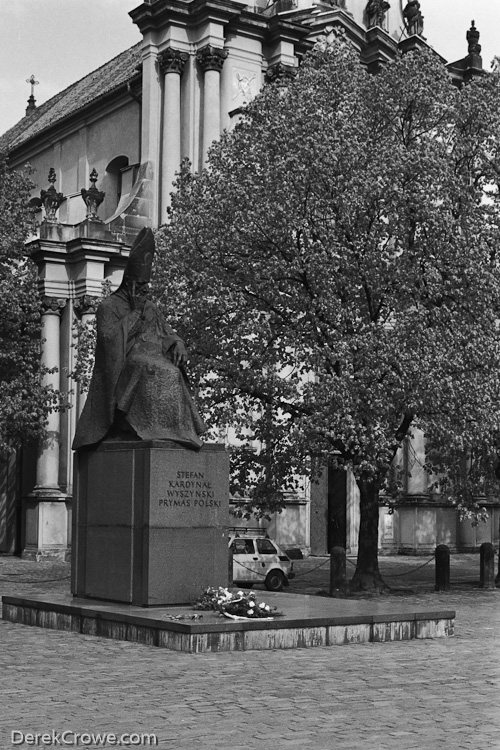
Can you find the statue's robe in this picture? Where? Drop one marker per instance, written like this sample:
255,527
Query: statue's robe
134,373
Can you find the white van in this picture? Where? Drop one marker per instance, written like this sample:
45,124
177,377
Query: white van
258,559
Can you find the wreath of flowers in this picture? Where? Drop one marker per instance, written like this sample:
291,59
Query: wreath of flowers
235,605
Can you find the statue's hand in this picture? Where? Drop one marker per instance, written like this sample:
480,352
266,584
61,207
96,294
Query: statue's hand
179,354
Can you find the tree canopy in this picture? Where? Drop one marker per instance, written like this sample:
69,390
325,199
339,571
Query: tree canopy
334,271
24,400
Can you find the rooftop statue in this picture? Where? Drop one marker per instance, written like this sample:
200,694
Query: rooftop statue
413,17
139,387
376,11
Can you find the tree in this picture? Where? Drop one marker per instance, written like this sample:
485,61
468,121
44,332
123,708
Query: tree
24,400
334,271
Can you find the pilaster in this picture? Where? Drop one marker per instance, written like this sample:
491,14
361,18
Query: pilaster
151,124
172,62
46,510
211,60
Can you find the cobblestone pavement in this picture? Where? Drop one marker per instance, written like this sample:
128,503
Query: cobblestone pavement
442,693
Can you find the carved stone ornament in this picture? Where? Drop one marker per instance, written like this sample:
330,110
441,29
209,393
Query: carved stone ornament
211,58
329,38
473,40
244,85
51,199
172,60
52,305
93,197
85,304
281,73
376,11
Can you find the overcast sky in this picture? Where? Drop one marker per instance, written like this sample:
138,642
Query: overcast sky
60,41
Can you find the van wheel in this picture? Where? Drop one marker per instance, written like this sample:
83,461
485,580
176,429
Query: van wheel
275,580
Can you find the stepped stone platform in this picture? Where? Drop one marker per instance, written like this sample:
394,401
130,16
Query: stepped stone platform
307,621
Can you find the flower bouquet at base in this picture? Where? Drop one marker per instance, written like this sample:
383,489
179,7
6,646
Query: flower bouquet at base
237,606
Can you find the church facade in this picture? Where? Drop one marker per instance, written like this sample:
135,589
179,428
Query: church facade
105,152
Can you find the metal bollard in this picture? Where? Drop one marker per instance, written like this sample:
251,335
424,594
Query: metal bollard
337,568
442,557
487,566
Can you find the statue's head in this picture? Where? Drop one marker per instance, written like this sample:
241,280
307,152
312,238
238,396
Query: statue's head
140,260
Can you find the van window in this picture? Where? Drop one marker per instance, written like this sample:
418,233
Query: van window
243,547
266,547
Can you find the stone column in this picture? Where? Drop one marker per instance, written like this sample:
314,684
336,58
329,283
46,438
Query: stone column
47,467
46,524
150,129
172,63
211,60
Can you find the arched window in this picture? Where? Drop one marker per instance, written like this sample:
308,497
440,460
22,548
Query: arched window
114,183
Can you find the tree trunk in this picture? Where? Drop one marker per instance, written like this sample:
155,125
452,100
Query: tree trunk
367,576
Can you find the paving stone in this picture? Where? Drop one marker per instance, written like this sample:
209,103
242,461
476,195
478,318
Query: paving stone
441,693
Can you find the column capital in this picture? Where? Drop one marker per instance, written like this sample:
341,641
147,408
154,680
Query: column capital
85,305
280,72
211,58
52,305
172,60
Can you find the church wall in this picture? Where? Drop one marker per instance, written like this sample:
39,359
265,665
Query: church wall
77,149
241,76
118,134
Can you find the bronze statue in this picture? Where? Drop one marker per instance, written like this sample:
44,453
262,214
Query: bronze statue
139,386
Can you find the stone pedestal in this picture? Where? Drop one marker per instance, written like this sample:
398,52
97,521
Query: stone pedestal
46,525
150,522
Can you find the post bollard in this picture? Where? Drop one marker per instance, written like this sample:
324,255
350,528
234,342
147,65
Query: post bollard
442,558
230,567
497,579
487,566
337,568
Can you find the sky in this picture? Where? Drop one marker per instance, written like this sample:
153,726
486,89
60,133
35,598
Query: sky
60,41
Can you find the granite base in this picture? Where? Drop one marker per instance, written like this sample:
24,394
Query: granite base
307,621
150,522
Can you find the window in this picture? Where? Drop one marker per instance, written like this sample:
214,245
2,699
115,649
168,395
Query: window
243,547
266,547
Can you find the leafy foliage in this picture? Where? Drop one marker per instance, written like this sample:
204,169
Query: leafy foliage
334,271
24,400
85,336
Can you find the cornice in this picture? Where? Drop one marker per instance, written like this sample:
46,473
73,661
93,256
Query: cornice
75,250
286,29
336,18
149,17
410,43
379,48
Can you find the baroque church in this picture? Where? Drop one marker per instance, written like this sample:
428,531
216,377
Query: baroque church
105,152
